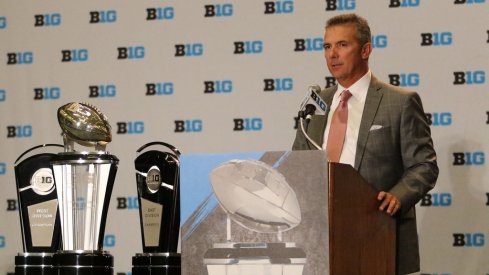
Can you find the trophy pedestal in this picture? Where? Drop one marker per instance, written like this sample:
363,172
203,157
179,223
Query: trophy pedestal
156,263
84,263
34,264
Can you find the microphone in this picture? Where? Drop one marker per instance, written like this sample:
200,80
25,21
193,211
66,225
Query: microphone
311,105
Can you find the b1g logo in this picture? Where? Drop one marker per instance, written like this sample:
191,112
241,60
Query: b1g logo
47,93
248,47
188,126
218,10
19,131
487,121
487,196
279,7
3,168
340,5
308,44
3,22
109,240
75,55
469,77
330,81
47,20
218,87
248,124
95,91
437,199
404,3
133,52
439,119
469,2
11,205
468,239
3,95
127,203
20,58
468,158
103,16
435,274
131,127
159,88
379,41
192,49
437,39
160,13
2,241
404,79
278,84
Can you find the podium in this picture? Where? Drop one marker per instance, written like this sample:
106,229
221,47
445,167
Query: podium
288,212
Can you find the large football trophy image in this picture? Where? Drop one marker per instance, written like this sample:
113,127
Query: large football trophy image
84,175
257,197
38,209
158,184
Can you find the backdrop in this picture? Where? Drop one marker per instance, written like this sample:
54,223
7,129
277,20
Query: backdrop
228,76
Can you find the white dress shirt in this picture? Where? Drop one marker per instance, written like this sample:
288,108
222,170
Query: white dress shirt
356,103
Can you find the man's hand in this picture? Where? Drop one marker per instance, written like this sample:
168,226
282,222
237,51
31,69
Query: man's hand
389,203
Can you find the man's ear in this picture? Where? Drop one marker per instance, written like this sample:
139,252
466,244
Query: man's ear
366,50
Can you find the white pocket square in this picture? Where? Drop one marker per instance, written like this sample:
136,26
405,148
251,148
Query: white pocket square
376,127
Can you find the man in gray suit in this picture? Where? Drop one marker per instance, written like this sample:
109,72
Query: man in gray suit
387,140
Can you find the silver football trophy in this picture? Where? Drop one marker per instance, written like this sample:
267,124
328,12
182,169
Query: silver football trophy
158,184
38,209
84,179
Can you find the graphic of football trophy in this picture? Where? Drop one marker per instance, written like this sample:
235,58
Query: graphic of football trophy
158,185
84,179
258,198
38,209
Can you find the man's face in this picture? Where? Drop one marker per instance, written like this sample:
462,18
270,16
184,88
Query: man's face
347,60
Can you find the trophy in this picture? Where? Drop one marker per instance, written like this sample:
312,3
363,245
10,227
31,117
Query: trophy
84,179
38,209
158,184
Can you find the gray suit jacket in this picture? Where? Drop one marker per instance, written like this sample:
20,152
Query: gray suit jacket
394,153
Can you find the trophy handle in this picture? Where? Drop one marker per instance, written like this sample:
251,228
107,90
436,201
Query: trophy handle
169,146
36,147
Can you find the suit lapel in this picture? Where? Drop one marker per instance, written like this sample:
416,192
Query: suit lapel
372,101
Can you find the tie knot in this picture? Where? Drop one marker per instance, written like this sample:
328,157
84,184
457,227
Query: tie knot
345,95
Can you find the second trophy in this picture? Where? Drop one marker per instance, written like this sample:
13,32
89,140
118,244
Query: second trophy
158,184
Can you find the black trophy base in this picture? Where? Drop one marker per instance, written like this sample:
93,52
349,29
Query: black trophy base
84,263
157,263
34,264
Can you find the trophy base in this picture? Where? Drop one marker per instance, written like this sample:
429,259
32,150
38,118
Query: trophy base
83,263
34,264
157,263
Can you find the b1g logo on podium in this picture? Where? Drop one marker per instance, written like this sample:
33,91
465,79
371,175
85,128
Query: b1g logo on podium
308,44
108,90
279,7
74,55
130,127
188,126
436,39
439,119
248,124
340,5
47,20
20,58
469,77
218,10
218,87
103,16
3,22
404,3
468,158
285,84
47,93
468,239
19,131
160,13
159,88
